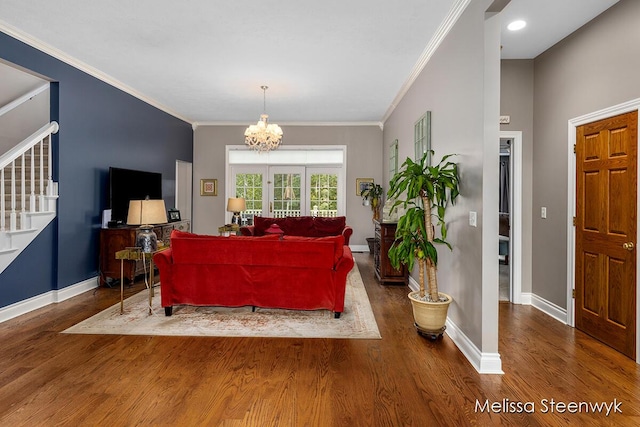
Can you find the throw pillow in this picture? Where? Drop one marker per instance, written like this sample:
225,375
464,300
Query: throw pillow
329,226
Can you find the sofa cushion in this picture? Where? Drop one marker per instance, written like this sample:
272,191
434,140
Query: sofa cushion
261,223
328,226
297,225
291,225
338,244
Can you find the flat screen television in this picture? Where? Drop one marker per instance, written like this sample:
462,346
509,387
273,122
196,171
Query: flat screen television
129,184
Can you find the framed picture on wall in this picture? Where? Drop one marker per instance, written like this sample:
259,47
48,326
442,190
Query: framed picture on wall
208,187
363,184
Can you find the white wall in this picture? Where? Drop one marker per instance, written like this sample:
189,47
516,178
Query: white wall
364,160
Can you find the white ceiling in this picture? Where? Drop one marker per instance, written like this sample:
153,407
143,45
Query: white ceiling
205,60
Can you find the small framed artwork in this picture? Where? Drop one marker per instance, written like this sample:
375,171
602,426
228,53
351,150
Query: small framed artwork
208,187
363,184
173,215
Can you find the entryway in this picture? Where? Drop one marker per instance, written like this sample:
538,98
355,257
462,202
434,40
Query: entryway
510,227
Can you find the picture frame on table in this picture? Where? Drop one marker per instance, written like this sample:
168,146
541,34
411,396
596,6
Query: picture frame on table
173,215
363,184
208,187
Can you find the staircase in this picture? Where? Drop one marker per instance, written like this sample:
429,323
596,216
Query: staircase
27,193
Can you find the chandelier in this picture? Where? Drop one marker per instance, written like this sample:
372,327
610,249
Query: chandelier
263,136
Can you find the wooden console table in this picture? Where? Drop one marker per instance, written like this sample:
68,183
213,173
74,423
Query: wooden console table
385,234
113,240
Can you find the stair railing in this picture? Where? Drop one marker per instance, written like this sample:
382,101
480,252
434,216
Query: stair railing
8,160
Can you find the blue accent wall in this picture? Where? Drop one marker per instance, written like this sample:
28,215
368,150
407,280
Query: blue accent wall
100,126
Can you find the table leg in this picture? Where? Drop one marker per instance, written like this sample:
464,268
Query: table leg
151,278
121,286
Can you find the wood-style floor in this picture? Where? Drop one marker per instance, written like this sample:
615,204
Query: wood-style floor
49,378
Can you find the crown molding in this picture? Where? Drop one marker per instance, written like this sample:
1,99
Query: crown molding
215,123
76,63
447,24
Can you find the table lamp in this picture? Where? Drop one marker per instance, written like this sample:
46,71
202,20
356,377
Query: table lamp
146,213
236,205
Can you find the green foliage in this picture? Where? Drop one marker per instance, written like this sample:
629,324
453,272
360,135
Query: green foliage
420,183
374,191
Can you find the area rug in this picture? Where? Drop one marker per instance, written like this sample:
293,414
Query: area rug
357,321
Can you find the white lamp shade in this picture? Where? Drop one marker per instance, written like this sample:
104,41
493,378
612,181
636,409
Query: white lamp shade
236,204
146,212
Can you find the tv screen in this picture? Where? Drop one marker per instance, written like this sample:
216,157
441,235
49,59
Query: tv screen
129,184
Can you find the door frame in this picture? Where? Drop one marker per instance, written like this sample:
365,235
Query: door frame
515,216
626,107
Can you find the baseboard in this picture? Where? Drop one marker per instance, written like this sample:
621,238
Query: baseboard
549,308
359,248
485,363
42,300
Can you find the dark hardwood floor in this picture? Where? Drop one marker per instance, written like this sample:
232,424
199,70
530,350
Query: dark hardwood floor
49,378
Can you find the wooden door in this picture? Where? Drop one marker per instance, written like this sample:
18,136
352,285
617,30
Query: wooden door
606,188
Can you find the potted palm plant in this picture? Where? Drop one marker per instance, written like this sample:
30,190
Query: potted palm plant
371,196
428,190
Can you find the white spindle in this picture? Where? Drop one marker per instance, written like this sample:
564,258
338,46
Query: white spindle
12,215
41,162
9,159
49,172
2,207
23,202
32,186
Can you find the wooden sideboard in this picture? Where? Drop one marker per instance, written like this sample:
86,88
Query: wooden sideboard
385,233
114,239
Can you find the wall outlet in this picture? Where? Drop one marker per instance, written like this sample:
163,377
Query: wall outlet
473,219
543,212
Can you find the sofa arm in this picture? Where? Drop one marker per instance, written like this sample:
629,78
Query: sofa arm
247,230
342,269
347,232
164,262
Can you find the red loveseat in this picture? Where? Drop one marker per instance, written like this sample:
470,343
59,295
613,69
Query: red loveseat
306,226
292,273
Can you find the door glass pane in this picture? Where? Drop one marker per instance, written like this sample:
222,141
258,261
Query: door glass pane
286,194
323,200
249,186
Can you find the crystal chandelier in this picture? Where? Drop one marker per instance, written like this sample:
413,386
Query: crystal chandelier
263,136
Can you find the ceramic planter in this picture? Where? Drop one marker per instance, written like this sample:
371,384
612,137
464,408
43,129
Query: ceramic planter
430,317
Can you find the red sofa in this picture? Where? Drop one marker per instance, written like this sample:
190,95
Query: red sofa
291,272
307,226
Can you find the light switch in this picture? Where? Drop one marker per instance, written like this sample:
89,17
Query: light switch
543,212
473,219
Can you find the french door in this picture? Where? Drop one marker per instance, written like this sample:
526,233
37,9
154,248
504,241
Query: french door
281,191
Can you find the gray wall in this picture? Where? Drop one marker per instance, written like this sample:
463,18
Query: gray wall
460,86
594,68
364,160
516,100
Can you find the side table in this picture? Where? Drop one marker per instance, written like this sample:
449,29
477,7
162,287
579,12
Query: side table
135,254
228,229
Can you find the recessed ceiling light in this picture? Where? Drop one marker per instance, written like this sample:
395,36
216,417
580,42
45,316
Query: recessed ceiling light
517,25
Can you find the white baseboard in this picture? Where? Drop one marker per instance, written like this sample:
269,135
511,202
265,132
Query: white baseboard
549,308
359,248
42,300
485,363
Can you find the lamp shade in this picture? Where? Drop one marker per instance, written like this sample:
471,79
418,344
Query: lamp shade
146,212
236,204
